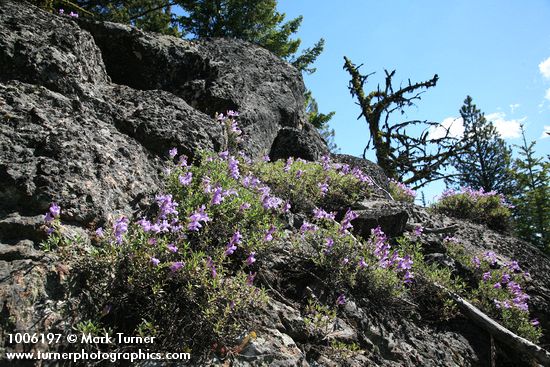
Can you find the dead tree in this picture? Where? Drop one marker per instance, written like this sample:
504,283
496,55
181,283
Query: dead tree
414,161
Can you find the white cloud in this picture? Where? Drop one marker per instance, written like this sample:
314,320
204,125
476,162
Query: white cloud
514,107
454,124
505,128
545,132
544,68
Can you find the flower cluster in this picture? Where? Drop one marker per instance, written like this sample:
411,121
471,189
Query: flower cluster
400,192
476,195
53,213
71,14
309,184
388,259
234,132
478,206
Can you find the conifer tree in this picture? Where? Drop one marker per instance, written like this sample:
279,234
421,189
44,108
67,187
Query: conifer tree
486,163
532,199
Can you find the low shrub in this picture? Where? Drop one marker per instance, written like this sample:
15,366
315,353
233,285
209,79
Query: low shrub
499,290
314,184
400,192
480,207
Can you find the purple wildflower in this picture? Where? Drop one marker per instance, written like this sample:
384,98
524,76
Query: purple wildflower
99,232
233,242
269,234
286,207
172,248
408,277
361,176
418,229
250,259
173,152
323,187
231,113
249,181
224,154
308,227
362,264
535,322
244,206
299,173
61,11
231,248
271,202
329,243
486,276
346,222
120,227
451,239
325,161
476,262
341,300
250,278
490,257
321,214
513,266
53,212
266,158
345,261
155,261
73,15
405,263
235,128
497,285
505,278
234,168
198,216
288,164
217,198
166,205
186,179
176,266
183,161
145,224
212,267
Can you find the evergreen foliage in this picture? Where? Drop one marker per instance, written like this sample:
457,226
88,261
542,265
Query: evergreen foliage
320,121
532,199
486,163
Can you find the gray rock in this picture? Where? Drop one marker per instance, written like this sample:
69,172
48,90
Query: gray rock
306,144
49,50
389,215
271,348
211,75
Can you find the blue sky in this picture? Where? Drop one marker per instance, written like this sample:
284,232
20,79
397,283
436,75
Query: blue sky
494,51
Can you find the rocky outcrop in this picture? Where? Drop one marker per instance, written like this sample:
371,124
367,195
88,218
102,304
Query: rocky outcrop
212,76
88,112
90,109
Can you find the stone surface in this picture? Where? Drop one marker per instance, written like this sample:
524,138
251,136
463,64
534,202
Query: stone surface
389,215
306,144
214,75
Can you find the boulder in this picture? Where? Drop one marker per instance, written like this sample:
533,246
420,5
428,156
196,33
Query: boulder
306,143
213,76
